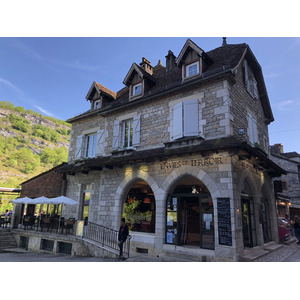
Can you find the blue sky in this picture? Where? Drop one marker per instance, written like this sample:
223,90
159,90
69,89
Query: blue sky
53,75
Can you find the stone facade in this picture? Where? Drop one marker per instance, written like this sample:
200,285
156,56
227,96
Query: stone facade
237,170
291,181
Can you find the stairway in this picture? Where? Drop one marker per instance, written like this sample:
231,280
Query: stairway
7,239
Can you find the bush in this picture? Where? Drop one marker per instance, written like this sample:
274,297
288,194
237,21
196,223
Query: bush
45,133
24,160
19,123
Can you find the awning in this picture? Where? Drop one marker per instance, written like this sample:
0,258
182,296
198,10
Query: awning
62,200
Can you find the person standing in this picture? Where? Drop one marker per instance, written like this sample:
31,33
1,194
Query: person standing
296,224
123,233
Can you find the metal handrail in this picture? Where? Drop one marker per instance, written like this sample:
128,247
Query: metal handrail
105,236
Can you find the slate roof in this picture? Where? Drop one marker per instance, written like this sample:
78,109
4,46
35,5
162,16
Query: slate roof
223,61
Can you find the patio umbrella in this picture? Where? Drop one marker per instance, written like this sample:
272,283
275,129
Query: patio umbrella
63,200
39,200
24,200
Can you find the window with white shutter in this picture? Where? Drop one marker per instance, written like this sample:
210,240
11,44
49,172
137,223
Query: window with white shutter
186,119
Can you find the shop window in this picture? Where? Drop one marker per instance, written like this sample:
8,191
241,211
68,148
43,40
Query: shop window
86,203
139,208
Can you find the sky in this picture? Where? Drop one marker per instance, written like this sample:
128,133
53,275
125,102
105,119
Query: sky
52,75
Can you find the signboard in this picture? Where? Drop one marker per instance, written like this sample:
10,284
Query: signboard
79,228
224,221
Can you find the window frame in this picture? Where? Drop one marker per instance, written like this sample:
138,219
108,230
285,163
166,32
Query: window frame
95,104
127,137
90,145
187,70
134,93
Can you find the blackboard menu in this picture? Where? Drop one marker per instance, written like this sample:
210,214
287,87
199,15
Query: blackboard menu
224,221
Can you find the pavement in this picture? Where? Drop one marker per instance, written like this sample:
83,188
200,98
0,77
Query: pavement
290,252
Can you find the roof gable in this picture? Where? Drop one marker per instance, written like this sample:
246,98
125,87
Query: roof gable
189,44
141,73
100,89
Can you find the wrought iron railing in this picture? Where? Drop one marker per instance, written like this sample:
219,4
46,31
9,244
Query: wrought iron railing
105,236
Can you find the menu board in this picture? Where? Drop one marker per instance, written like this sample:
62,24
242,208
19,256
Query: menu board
224,221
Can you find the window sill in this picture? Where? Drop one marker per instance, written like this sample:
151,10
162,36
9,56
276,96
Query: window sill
123,151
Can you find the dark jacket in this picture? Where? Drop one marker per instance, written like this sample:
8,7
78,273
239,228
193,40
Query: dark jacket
123,233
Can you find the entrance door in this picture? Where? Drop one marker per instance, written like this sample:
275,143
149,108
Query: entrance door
190,221
265,221
247,226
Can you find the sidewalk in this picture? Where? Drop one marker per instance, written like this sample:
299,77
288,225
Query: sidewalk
290,252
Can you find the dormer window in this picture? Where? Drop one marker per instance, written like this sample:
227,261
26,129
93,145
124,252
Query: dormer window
137,89
192,69
97,104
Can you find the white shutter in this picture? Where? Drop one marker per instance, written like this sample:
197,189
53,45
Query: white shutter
250,129
255,135
136,131
79,147
100,143
191,118
255,89
252,126
177,121
116,135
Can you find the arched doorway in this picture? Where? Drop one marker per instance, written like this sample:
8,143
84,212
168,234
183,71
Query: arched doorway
248,216
139,207
190,215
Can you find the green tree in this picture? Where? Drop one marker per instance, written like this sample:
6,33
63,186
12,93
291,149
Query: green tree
24,160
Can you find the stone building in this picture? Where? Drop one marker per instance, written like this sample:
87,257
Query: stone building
48,184
287,187
182,153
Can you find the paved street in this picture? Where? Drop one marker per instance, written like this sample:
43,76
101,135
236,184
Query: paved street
288,253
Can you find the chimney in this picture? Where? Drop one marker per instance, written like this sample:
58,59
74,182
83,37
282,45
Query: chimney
277,149
146,65
170,60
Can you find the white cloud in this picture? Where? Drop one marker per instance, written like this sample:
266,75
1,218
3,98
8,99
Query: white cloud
11,85
44,111
285,105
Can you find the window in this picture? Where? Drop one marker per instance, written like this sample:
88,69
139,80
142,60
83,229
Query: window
97,104
127,133
192,69
250,82
186,119
90,147
137,89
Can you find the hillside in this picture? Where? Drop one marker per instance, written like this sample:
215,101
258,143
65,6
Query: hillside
30,144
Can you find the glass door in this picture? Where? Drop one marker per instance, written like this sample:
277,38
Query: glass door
247,226
172,224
